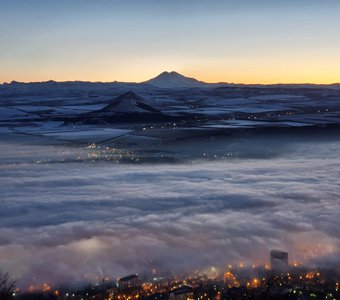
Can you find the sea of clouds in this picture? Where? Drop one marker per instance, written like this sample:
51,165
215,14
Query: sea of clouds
63,222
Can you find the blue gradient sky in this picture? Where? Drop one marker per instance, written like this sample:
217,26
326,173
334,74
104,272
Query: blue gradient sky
133,40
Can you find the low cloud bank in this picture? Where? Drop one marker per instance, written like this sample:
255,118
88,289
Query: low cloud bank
69,222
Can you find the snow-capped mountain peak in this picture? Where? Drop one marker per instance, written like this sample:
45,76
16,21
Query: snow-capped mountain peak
174,80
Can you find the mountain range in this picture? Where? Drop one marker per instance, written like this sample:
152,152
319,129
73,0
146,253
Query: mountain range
165,80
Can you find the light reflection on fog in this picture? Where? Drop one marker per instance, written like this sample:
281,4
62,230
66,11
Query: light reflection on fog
61,210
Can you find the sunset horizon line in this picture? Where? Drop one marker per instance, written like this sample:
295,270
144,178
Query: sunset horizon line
171,71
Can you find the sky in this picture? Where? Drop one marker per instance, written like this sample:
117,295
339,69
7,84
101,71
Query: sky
241,41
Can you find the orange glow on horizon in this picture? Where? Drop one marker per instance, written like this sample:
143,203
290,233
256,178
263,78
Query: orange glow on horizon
217,77
247,72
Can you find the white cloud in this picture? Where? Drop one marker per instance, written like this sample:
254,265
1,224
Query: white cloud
62,221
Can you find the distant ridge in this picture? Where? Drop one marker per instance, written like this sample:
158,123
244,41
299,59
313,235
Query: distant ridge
174,80
164,80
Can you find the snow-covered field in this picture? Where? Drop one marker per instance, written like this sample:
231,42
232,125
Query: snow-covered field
37,108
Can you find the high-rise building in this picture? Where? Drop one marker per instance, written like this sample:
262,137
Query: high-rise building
278,260
184,292
128,282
